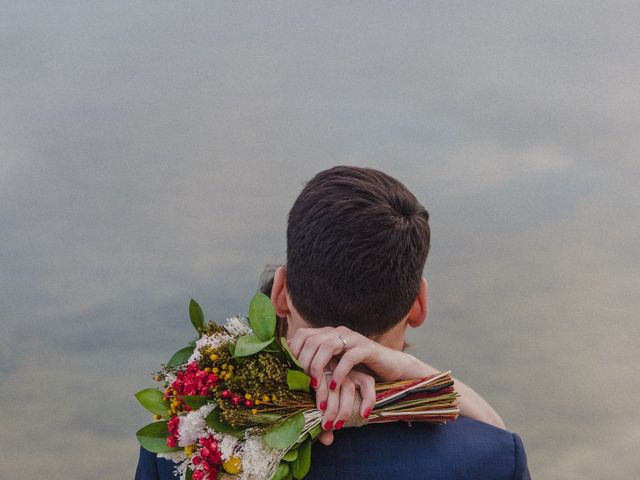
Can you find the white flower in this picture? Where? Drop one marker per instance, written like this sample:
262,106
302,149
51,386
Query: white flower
234,327
237,326
180,470
193,425
169,377
175,457
258,459
226,445
180,460
214,341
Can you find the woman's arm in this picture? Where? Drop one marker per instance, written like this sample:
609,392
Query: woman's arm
317,348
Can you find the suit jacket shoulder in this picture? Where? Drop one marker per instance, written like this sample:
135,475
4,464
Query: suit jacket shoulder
150,467
464,449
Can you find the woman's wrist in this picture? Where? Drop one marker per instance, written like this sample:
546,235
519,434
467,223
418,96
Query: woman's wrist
412,367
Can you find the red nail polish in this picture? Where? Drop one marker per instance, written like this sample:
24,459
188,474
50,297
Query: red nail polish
314,382
366,413
333,385
328,425
339,424
323,405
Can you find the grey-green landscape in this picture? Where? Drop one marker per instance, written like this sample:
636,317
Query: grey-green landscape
150,152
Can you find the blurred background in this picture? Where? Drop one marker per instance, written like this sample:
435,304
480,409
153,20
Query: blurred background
150,152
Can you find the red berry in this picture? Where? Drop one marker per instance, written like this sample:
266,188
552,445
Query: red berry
198,475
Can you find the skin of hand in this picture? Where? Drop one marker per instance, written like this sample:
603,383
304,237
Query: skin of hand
338,404
320,350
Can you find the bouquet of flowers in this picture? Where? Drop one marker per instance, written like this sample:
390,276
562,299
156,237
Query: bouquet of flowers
236,404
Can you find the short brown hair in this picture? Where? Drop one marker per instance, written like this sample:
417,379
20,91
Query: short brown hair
357,243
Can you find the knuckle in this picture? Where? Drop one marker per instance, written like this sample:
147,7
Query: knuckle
317,367
311,342
349,356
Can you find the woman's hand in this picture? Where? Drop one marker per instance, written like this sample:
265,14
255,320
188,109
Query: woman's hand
339,404
330,361
320,349
315,348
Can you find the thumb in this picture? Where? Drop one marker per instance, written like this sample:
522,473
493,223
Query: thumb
326,438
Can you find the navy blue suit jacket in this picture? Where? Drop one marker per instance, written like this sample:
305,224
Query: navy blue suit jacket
464,449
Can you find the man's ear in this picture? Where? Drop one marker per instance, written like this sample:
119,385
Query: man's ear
279,292
420,310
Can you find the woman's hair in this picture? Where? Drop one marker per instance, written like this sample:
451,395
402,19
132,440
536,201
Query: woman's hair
357,242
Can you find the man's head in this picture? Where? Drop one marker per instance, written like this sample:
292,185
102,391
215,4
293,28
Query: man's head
357,242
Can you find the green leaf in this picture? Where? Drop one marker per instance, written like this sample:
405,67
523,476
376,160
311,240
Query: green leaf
291,455
188,474
153,400
153,437
250,344
216,423
181,356
265,418
315,431
297,380
301,440
196,315
232,349
286,434
287,351
262,316
282,472
195,401
302,464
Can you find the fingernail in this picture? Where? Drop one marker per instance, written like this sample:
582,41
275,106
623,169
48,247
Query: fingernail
314,382
323,405
328,425
333,385
339,424
366,413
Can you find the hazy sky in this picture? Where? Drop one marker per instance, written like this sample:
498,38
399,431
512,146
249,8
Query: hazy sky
150,151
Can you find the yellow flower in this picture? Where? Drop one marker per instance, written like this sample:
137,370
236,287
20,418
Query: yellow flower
248,396
188,450
233,466
213,357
